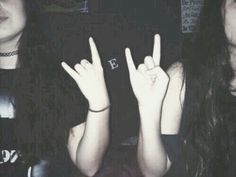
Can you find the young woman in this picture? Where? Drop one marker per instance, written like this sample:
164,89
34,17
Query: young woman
38,102
199,103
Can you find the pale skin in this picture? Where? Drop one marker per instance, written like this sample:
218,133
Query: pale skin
12,23
88,141
157,94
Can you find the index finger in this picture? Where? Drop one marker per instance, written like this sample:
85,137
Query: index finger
94,52
129,60
156,55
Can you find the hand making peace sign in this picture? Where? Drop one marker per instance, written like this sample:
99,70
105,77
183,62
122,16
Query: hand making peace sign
149,82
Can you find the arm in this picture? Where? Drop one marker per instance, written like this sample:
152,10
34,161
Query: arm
166,120
88,141
156,112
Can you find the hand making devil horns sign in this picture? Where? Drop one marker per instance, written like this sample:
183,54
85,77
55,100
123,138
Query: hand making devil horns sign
149,81
90,79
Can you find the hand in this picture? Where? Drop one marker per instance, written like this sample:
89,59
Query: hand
149,82
90,79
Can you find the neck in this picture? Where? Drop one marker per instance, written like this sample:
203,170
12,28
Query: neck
9,62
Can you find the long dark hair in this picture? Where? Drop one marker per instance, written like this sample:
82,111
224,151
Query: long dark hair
206,60
42,93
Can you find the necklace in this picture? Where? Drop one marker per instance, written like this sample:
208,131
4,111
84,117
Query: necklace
8,54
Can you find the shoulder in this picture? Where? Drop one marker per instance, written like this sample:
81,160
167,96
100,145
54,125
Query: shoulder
177,80
175,71
173,102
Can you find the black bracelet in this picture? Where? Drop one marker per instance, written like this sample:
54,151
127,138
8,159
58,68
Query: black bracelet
101,110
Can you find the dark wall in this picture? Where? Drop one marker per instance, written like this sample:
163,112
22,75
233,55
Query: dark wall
164,14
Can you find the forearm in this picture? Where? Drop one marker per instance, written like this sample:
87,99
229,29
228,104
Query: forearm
152,156
88,141
94,142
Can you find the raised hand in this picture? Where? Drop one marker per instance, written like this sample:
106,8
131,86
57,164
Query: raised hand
149,82
90,79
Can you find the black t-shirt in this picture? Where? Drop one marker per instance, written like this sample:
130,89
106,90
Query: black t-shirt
12,163
10,159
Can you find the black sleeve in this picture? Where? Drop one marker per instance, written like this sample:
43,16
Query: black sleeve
75,104
173,147
66,45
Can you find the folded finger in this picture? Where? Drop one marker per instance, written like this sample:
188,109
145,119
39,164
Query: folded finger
85,63
142,68
80,69
149,63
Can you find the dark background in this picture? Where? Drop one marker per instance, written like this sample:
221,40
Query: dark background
164,15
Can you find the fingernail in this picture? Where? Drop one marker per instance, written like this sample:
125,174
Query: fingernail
157,36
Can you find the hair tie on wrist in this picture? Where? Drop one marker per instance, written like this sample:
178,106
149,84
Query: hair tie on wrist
101,110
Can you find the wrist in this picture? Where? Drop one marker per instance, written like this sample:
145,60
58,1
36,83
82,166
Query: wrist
150,115
150,102
150,107
99,110
99,106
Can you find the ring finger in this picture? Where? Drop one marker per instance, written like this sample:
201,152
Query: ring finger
149,63
85,63
142,69
79,69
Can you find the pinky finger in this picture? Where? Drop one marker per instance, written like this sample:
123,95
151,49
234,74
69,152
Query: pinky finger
70,71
